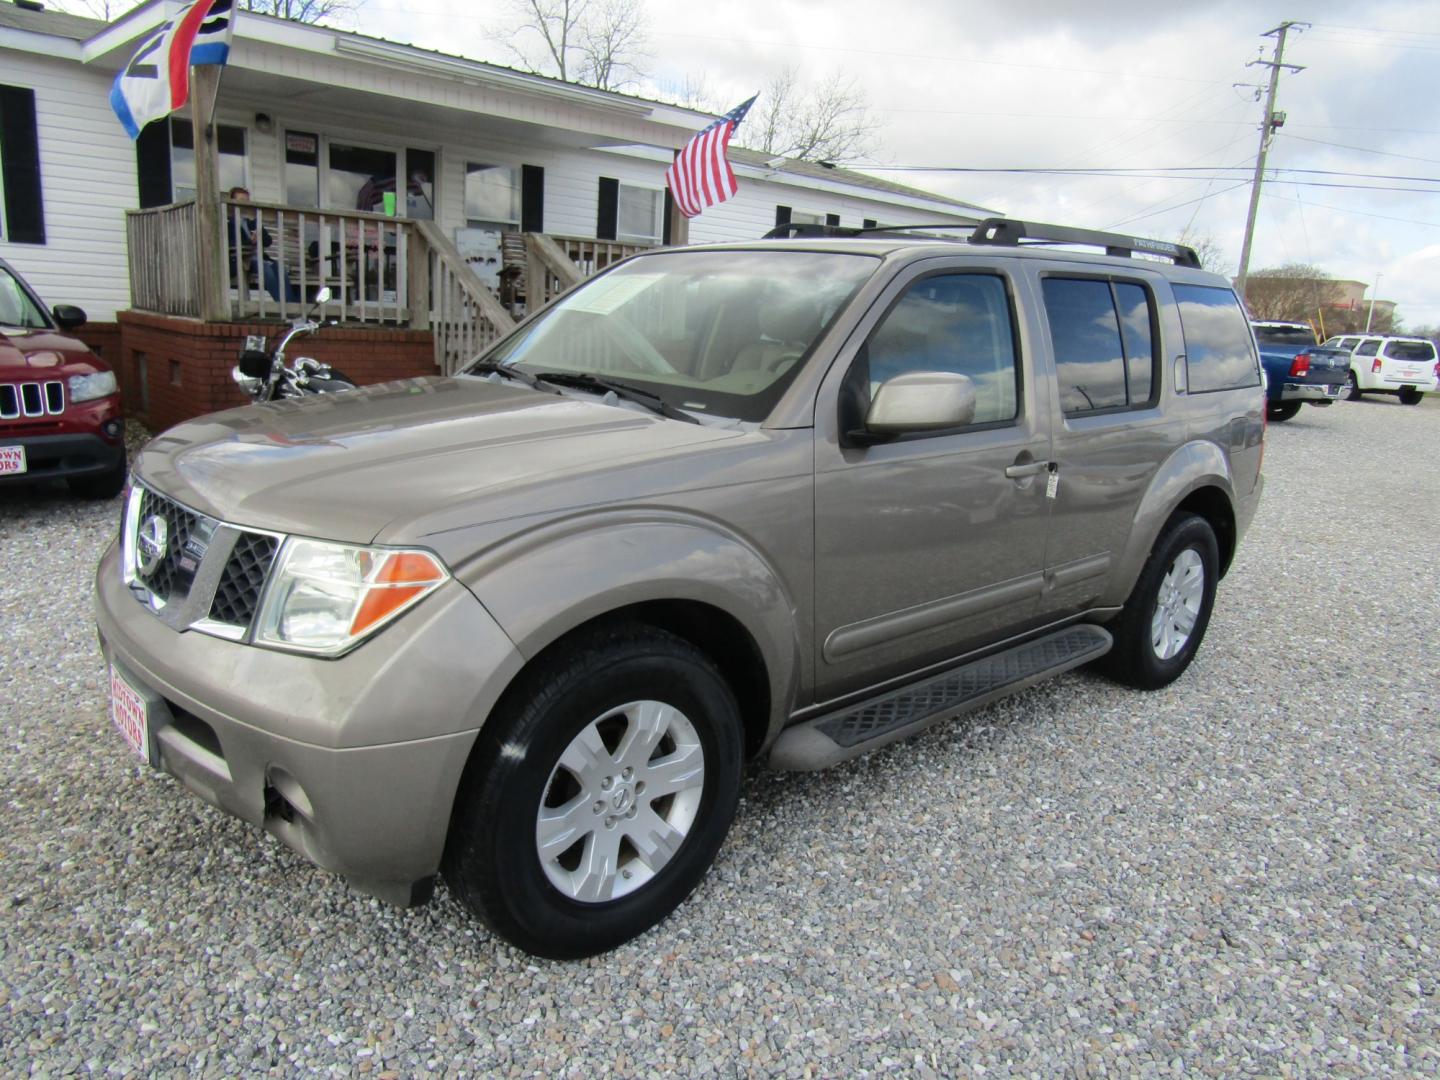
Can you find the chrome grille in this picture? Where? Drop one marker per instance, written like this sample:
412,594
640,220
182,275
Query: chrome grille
31,399
180,523
238,594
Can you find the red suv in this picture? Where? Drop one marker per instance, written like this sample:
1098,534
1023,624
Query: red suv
60,412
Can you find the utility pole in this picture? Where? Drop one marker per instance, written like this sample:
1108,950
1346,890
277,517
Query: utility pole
1268,125
1373,290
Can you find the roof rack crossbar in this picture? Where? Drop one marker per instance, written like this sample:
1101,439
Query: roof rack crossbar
798,228
1008,232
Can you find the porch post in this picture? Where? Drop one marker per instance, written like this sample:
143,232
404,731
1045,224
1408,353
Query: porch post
213,282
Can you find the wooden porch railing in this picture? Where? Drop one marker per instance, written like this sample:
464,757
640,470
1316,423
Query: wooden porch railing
163,259
462,314
558,263
380,270
279,257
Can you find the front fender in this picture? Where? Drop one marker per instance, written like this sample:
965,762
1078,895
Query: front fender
1190,468
541,584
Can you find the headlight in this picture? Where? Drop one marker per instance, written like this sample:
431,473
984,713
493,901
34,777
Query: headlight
324,598
90,387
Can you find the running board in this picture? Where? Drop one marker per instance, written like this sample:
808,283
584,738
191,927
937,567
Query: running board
838,736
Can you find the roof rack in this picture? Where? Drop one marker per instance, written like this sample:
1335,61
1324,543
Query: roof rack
1009,232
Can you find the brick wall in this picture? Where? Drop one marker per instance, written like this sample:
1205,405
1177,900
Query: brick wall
103,339
173,369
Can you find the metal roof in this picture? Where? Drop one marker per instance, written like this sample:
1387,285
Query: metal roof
54,23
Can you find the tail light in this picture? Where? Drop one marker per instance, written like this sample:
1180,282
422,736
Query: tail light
1375,367
1300,366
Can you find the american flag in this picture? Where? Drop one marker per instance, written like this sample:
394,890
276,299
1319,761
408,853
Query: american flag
701,176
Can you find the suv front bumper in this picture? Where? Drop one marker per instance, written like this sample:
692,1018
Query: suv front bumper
353,762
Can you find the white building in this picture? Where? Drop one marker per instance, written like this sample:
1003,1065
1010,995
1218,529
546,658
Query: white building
321,119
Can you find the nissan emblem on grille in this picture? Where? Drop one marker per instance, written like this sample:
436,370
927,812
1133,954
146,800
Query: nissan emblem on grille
150,544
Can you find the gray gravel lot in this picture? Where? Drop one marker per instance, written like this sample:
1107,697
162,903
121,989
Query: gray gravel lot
1237,875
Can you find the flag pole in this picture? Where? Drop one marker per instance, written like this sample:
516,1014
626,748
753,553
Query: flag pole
677,225
212,285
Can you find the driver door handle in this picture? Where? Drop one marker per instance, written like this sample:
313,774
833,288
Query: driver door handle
1032,468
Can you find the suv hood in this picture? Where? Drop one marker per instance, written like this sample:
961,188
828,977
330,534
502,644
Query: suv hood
343,466
43,354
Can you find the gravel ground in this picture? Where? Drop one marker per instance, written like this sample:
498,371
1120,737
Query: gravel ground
1236,875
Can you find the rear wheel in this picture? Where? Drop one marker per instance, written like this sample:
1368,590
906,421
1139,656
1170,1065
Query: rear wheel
1164,621
599,793
1352,388
1410,396
1285,410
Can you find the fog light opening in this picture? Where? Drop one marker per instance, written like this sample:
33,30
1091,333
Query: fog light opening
277,806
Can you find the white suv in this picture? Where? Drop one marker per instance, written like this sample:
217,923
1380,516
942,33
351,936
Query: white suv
1390,365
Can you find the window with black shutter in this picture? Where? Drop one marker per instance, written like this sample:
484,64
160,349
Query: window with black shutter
22,204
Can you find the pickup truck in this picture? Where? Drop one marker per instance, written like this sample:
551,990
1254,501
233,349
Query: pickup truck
1298,369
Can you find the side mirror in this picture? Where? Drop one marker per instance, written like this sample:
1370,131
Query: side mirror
921,401
323,296
255,364
68,316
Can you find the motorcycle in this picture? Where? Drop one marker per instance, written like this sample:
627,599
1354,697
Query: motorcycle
265,376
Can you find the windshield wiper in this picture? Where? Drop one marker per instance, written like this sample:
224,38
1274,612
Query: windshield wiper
487,367
582,381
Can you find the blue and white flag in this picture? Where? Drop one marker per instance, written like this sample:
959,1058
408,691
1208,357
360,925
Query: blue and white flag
156,81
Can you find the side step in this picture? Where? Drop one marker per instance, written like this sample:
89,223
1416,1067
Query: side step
838,736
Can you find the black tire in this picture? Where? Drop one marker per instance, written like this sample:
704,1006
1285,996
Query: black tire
104,485
1285,410
1134,660
1352,388
492,861
1410,396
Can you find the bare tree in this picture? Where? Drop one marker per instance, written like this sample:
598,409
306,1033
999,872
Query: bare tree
1294,292
598,43
612,43
1210,251
99,9
305,11
830,121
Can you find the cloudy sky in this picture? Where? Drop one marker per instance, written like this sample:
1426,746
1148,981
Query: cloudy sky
1124,84
1139,85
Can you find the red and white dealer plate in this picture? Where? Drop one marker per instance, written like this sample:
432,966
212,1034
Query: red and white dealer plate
127,709
12,460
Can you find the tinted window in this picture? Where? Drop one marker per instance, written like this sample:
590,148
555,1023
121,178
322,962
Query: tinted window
1137,325
1218,349
950,322
1367,348
1410,350
1295,337
1089,359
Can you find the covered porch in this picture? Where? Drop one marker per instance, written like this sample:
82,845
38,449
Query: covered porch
270,260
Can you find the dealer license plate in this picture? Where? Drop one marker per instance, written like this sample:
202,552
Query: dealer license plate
127,709
12,460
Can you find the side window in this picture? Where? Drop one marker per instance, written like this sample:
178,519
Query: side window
949,322
1103,339
1219,347
1367,348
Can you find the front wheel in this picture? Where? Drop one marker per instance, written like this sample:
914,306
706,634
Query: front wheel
598,794
1352,388
1164,621
1410,396
1285,410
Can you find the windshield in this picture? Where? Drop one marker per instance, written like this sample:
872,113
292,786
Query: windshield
718,333
1410,350
1300,337
16,307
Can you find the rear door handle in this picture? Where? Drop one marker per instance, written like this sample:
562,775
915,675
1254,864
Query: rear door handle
1033,468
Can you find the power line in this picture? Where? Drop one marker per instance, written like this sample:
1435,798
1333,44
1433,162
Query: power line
1360,149
1123,170
1361,213
1177,206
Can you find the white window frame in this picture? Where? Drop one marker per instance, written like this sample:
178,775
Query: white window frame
659,223
517,179
219,123
806,217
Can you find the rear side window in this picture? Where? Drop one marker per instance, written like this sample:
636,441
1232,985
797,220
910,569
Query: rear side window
1367,348
1102,335
1410,350
1218,346
950,322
